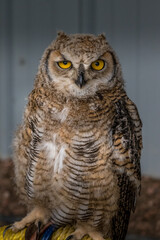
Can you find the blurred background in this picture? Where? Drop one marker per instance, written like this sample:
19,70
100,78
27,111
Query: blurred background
133,29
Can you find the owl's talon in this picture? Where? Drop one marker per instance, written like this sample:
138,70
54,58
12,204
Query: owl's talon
69,237
39,225
5,230
30,231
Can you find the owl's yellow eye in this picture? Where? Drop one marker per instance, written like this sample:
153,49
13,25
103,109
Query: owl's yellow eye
64,64
98,65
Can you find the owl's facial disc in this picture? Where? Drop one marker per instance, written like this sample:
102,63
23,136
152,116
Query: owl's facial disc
80,75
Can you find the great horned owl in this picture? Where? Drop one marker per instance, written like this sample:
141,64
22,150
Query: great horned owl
77,152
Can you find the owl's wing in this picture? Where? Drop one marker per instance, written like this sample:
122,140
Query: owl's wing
34,128
127,141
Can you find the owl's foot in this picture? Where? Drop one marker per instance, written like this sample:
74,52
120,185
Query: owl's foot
37,215
84,229
44,232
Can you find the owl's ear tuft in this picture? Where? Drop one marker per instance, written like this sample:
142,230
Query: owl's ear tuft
102,36
62,35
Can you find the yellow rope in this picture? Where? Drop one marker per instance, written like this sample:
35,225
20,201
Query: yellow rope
60,234
9,235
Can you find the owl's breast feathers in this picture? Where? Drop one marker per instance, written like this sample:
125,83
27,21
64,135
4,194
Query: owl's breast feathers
87,152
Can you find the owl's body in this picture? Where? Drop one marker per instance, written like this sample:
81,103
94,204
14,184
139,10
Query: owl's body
77,152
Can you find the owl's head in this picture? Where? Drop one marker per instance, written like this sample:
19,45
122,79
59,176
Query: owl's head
80,64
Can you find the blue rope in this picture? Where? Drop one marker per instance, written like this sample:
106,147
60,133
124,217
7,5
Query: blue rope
48,232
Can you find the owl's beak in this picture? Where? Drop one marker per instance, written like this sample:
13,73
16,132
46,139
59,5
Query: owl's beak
80,80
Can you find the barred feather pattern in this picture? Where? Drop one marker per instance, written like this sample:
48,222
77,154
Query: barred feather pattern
102,151
80,157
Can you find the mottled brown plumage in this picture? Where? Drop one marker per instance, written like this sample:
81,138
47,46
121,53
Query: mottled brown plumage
77,152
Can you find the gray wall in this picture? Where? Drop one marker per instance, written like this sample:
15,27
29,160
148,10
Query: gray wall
131,26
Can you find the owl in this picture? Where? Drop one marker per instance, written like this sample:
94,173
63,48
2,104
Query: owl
77,151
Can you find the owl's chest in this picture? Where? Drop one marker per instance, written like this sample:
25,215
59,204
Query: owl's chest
81,145
79,157
85,184
80,140
81,169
